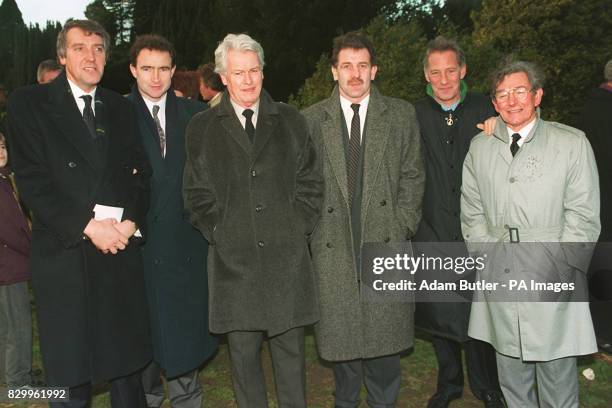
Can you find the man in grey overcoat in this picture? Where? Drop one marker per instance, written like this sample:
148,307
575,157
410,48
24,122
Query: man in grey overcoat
373,168
532,181
253,187
175,252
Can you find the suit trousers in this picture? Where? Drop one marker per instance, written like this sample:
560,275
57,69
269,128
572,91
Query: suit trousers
125,392
556,381
184,391
15,335
381,376
288,361
481,366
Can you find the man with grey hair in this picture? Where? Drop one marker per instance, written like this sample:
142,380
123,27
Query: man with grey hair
83,174
533,180
253,186
47,71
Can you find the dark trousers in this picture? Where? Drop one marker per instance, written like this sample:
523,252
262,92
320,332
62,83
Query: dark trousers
381,377
288,362
481,366
125,392
184,391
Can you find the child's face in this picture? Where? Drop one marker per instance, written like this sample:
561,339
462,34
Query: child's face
3,155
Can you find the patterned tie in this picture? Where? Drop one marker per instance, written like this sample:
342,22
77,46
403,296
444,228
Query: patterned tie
160,131
514,145
353,157
88,116
248,124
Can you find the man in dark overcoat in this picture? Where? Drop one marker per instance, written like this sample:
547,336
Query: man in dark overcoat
253,186
175,252
448,117
370,148
75,149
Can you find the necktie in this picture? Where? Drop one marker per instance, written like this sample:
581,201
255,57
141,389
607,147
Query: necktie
160,131
353,156
514,146
88,116
248,125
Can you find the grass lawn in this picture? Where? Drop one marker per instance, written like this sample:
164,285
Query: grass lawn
418,371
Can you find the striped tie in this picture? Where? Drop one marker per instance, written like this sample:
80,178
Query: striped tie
160,131
353,157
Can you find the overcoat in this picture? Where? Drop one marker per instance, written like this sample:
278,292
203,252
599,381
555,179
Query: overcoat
393,182
445,147
256,204
549,191
92,313
175,253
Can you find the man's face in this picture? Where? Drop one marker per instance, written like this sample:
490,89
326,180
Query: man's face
49,76
153,73
444,74
3,155
354,73
243,77
85,58
516,110
207,92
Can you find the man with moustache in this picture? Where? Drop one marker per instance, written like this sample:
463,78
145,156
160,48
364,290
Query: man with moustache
253,186
532,181
448,119
175,252
371,153
82,172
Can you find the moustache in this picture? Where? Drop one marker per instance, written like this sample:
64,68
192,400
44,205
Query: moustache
355,81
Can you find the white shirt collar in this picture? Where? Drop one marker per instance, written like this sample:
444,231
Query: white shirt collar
348,112
239,109
78,92
524,132
161,103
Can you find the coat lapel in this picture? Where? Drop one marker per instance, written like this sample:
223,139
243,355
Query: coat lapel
331,129
232,125
267,120
376,138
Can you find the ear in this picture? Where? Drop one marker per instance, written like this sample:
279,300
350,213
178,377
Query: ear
373,72
62,60
334,72
223,79
426,75
463,71
495,105
172,71
133,70
538,97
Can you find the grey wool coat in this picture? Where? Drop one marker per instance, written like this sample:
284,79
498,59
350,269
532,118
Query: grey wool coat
256,204
392,191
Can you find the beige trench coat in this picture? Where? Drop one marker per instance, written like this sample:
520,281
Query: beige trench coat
550,192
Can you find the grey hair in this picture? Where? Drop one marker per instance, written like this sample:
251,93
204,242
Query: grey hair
534,74
608,71
241,42
89,27
441,44
47,66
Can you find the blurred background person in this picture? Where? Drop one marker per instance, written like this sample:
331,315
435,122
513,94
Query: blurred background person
186,83
211,86
47,71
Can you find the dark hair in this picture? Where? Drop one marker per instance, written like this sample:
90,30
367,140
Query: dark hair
47,65
441,44
355,40
188,82
510,66
151,42
89,27
210,78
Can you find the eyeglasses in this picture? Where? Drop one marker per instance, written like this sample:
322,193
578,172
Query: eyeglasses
520,93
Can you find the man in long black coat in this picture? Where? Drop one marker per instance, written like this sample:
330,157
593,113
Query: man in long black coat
448,119
75,148
175,252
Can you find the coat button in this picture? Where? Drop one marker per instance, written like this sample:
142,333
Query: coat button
156,261
454,189
253,173
507,270
383,203
188,259
512,179
72,165
387,240
261,244
455,238
449,142
330,209
329,245
259,208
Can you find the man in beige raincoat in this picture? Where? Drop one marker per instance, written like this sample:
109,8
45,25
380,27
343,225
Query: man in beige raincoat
533,181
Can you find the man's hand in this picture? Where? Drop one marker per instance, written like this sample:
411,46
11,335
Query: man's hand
488,126
127,228
105,236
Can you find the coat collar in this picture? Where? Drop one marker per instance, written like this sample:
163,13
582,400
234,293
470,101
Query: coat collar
501,133
267,120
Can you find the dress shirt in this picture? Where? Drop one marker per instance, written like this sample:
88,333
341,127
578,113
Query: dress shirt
239,109
348,112
78,92
524,132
